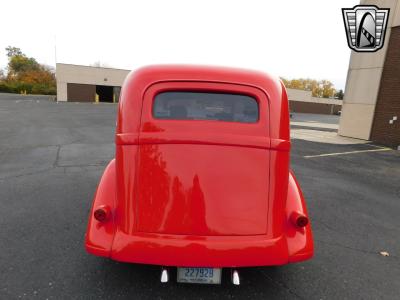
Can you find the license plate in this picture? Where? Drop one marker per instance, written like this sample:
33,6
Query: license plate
199,275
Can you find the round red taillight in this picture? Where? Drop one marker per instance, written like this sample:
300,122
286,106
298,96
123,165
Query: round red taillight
102,213
299,219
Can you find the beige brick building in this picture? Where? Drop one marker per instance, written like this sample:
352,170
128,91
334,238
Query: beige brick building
371,105
88,84
78,83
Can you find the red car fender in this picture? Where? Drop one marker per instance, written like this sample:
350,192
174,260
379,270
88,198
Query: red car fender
99,235
299,239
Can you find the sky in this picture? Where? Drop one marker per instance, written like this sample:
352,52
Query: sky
291,39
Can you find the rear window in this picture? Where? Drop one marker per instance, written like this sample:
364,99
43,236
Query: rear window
205,106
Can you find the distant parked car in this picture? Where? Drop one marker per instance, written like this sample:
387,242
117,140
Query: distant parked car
201,178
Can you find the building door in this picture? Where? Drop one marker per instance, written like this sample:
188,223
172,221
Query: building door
77,92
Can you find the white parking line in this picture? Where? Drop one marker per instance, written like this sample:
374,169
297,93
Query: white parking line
315,124
349,152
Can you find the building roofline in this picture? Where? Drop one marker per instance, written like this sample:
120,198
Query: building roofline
76,65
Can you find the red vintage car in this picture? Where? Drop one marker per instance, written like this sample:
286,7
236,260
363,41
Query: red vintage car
201,178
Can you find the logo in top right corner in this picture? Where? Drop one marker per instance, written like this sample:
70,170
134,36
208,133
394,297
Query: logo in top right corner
365,27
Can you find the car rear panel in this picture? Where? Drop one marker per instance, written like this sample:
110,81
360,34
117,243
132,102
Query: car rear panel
202,177
202,189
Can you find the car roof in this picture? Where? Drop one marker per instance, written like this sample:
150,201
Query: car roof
138,81
154,73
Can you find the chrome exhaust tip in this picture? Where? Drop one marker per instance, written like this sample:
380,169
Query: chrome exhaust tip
235,277
164,275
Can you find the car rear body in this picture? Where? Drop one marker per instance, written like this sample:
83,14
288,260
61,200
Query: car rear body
201,174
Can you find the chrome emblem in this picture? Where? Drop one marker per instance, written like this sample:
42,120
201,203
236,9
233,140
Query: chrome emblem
365,27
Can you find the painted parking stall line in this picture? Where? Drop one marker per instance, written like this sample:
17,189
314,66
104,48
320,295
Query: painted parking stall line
348,152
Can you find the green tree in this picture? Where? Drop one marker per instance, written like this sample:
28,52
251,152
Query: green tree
318,88
26,75
20,64
339,94
328,90
13,51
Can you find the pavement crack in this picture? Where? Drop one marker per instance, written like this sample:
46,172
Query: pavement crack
55,164
49,169
84,165
26,174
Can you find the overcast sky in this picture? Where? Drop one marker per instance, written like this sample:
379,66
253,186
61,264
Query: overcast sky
285,38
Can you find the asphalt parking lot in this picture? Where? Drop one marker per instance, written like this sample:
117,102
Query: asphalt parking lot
53,154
